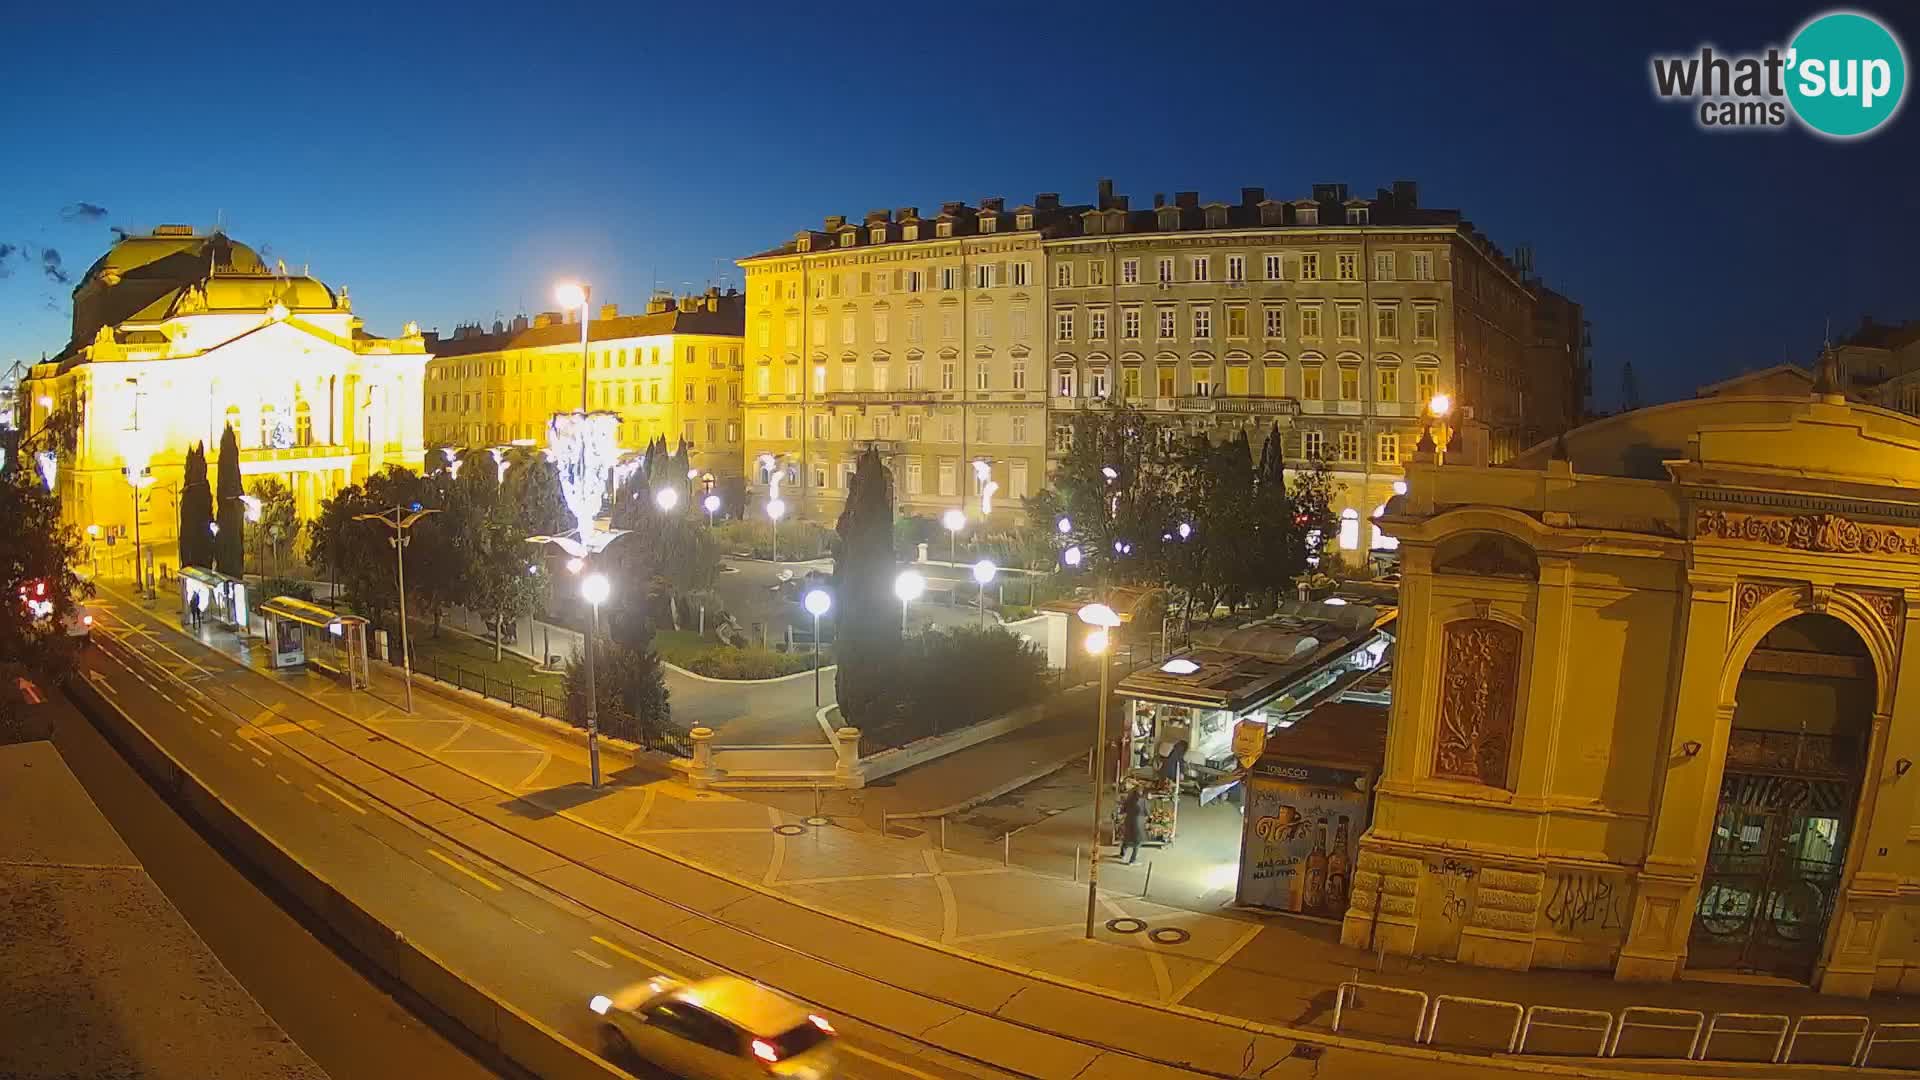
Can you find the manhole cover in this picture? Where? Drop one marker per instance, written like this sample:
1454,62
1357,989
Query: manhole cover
1169,935
817,821
790,830
1126,925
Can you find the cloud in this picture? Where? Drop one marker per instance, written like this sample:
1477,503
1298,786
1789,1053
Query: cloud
82,211
6,251
50,265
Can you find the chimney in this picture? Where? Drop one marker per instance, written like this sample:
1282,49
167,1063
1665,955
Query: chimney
1326,193
499,327
1186,200
542,320
609,311
1159,199
431,338
993,205
907,213
1252,196
1106,193
659,304
1406,193
878,217
834,221
1119,203
954,208
519,324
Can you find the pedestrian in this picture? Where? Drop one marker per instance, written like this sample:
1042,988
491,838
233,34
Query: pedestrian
198,607
1133,825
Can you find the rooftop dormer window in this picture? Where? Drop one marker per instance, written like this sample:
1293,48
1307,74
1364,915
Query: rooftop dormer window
1216,217
1356,215
1170,218
1024,221
943,229
805,243
989,223
1309,215
878,235
910,232
849,238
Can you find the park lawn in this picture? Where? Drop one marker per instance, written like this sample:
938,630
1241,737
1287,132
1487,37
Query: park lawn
476,658
687,649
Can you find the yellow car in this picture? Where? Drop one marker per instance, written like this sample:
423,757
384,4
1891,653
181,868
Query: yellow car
715,1029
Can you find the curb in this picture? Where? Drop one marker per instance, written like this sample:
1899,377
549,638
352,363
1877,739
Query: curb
511,1034
990,794
678,670
636,754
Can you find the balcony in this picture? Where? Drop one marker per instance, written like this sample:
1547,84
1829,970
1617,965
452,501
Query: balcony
879,397
1257,406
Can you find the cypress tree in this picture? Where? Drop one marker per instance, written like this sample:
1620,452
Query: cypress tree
866,616
196,511
229,546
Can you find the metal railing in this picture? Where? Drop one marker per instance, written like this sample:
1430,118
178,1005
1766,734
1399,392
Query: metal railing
540,700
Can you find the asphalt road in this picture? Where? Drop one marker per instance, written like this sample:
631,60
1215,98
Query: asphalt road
343,1017
548,954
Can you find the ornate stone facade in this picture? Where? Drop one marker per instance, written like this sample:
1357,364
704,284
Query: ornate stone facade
1480,670
1808,532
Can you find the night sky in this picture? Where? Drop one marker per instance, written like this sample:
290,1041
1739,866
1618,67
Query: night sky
449,161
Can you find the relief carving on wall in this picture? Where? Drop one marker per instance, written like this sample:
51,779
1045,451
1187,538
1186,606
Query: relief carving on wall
1749,594
1479,681
1888,605
1808,532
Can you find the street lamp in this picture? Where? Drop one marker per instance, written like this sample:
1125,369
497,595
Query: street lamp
666,499
908,587
252,505
1103,619
712,506
1071,556
594,589
818,601
775,510
983,572
139,480
400,540
954,520
1065,525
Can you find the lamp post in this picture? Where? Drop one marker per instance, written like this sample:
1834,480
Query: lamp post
712,506
1438,407
401,521
908,587
252,505
1102,619
775,508
954,520
594,589
983,572
138,480
818,601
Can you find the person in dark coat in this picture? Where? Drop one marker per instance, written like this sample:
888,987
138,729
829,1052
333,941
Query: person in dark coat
1133,825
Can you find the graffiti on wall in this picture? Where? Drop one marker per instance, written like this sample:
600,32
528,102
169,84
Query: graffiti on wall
1583,903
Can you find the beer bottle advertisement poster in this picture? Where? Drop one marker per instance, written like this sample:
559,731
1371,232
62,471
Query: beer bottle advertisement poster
1300,837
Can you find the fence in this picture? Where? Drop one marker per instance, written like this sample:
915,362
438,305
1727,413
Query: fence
540,700
1646,1032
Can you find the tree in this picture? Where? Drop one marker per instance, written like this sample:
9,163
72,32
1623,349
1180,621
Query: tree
1313,492
229,550
531,491
1112,485
501,576
630,692
866,615
279,526
37,555
1279,536
1210,551
196,511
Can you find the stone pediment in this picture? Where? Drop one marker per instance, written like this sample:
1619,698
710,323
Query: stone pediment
1818,449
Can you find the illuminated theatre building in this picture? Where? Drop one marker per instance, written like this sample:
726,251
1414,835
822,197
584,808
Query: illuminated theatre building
177,335
1652,706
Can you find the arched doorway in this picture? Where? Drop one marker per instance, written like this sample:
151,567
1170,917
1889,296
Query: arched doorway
1788,799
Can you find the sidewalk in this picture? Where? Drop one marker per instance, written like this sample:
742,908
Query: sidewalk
1267,969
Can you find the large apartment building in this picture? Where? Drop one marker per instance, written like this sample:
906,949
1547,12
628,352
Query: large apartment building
973,336
672,371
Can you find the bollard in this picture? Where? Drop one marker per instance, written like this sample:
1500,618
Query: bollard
1076,864
1149,884
1006,849
886,823
943,832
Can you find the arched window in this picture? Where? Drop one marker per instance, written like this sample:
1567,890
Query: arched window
1349,529
302,423
233,421
1381,541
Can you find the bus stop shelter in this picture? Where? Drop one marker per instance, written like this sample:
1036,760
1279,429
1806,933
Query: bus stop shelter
303,634
221,598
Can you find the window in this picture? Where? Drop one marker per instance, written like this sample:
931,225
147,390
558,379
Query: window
1200,267
913,465
1096,273
949,277
1389,384
820,476
1063,326
1236,268
1129,383
686,393
880,376
819,378
791,380
1273,266
1310,266
733,432
820,425
1349,447
1386,323
881,424
1019,374
866,282
1383,266
947,375
849,376
1017,475
946,326
1356,215
1310,383
1425,385
989,223
713,394
946,477
1164,380
1426,323
1276,327
1097,325
983,428
913,281
847,427
1349,526
1018,433
915,422
1347,266
1312,445
1349,383
653,391
1021,271
1130,323
1063,275
983,323
1203,381
880,327
982,375
913,329
1063,381
713,432
1167,329
793,335
1310,322
1097,382
1202,323
1237,322
983,276
949,429
1423,266
913,375
1349,322
1017,322
1130,271
1386,448
846,329
1166,270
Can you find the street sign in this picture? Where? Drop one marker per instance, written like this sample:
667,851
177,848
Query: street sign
1249,741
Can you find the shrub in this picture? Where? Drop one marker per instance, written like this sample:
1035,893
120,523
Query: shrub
951,678
725,662
799,540
630,689
283,586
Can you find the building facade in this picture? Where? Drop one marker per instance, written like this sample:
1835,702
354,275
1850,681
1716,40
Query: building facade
672,372
1647,700
919,337
177,336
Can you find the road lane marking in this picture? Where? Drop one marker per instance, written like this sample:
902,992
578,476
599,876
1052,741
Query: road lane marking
528,925
260,762
344,801
311,797
635,957
100,683
237,748
592,959
877,1059
1217,963
475,875
283,779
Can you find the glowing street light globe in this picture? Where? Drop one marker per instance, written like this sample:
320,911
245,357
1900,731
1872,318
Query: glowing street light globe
1097,642
776,509
818,601
666,499
595,588
954,520
1099,615
984,570
1440,404
570,294
1065,526
909,585
711,503
1185,530
1071,556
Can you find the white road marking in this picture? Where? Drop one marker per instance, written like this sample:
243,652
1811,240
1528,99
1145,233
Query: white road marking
528,925
886,1061
591,959
283,779
475,875
635,957
344,801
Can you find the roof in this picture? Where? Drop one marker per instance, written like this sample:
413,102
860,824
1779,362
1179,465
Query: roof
1242,668
302,611
728,319
1344,732
748,1005
1778,379
1638,444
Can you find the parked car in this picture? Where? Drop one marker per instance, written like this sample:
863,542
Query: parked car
715,1029
79,623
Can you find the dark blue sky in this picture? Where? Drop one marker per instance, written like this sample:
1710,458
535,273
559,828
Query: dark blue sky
449,161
